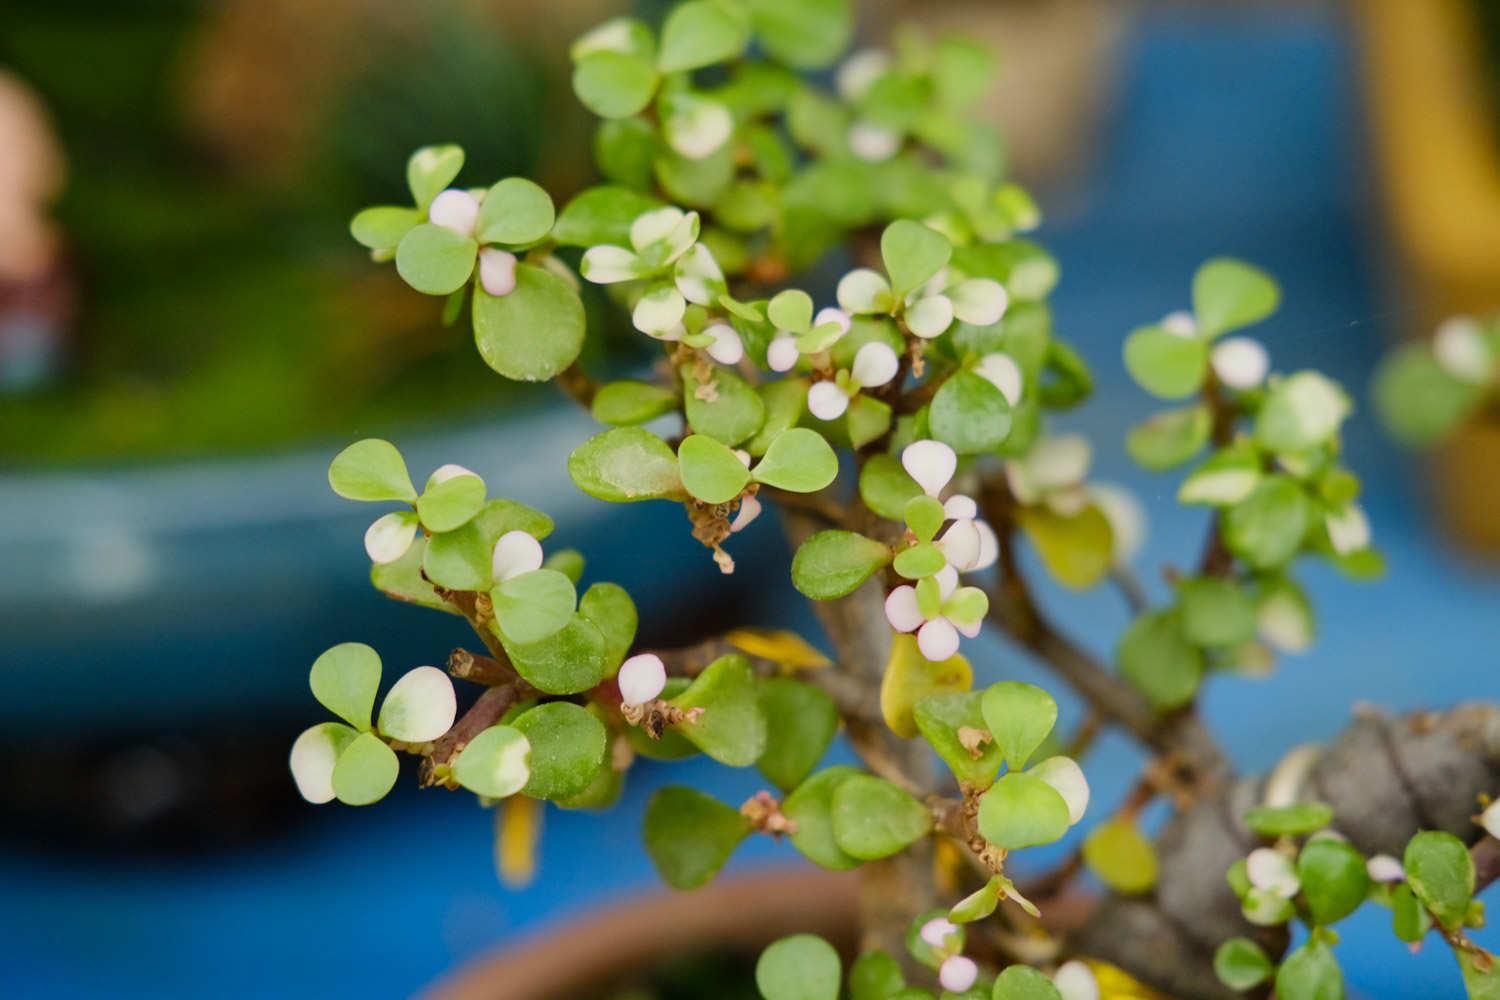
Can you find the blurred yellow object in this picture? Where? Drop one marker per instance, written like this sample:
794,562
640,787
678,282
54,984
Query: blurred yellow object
1435,135
518,826
1439,153
788,649
1116,984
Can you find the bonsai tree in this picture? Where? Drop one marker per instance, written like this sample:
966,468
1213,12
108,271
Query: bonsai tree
898,421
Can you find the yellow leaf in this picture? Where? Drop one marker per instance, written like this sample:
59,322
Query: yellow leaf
910,677
518,823
1078,551
1121,856
1117,984
787,649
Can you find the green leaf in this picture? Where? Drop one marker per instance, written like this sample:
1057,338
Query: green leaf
701,33
1334,879
495,763
1241,964
875,975
709,470
624,149
1078,551
601,215
1310,973
625,465
1169,439
371,469
451,503
832,564
434,259
785,401
1022,982
690,835
801,967
804,34
969,414
366,770
866,420
567,749
344,680
610,609
1440,871
625,404
1418,400
1165,364
1481,984
1229,294
924,516
1020,810
572,660
381,227
912,253
791,310
533,606
402,580
1226,478
1410,920
1215,612
533,333
461,559
873,819
430,170
1120,855
515,212
886,488
799,460
810,807
1301,412
614,84
568,562
1267,528
919,561
1293,820
1157,659
945,721
726,409
314,754
732,728
800,722
1019,716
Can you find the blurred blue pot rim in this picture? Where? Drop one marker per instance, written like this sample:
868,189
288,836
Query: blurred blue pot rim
95,533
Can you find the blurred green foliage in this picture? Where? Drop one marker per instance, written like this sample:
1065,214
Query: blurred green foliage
222,310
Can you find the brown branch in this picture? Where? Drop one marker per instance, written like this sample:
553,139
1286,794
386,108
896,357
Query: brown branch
1015,611
483,714
484,670
821,504
578,385
1217,560
896,887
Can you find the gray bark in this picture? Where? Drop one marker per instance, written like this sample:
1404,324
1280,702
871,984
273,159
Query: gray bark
1386,778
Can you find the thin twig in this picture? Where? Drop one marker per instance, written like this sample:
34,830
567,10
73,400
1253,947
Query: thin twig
1014,609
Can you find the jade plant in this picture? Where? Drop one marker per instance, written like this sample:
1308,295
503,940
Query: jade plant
899,419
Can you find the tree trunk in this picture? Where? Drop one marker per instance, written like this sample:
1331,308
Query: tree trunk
1384,778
